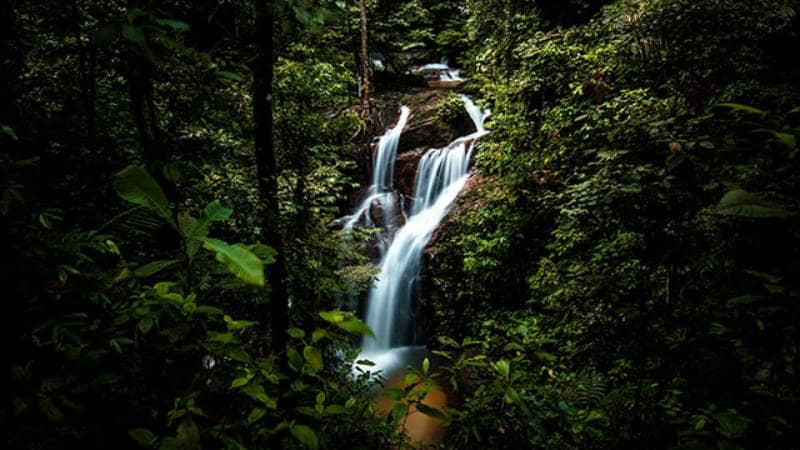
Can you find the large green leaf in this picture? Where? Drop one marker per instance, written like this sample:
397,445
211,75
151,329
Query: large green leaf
333,317
143,436
134,184
177,25
731,424
305,435
231,76
430,411
399,412
313,356
355,326
739,202
134,34
8,131
214,212
154,267
743,108
239,260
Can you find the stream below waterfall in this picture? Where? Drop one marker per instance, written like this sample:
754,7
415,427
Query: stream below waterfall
440,176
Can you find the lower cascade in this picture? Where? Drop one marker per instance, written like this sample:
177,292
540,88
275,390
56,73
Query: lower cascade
440,176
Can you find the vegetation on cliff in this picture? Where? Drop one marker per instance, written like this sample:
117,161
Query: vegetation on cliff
632,250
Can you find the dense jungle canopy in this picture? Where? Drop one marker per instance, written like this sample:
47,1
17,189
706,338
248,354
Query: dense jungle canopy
389,224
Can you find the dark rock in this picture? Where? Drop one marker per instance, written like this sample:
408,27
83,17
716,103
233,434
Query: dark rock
405,171
394,80
376,213
425,128
430,133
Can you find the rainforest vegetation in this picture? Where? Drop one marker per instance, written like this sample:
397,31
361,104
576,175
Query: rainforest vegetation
615,266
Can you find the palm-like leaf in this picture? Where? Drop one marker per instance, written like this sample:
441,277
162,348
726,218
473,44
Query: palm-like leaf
135,185
739,202
214,212
240,261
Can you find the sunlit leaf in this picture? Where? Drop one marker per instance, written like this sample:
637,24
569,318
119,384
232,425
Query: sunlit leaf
743,108
313,356
332,316
134,184
240,261
142,436
739,202
356,326
305,435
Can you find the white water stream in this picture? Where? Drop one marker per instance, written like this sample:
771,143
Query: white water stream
441,175
381,190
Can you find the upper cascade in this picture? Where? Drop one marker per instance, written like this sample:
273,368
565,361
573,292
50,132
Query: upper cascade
439,168
438,74
383,171
381,189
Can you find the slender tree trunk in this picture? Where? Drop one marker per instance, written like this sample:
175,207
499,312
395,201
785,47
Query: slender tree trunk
267,172
139,74
140,89
356,47
11,57
90,97
365,62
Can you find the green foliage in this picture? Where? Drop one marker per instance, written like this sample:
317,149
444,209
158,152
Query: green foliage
135,185
614,243
621,274
239,260
152,307
739,202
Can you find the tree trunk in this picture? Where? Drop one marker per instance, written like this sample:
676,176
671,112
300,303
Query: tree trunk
140,89
267,172
139,74
365,62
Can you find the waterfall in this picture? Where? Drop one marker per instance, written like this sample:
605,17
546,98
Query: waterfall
444,71
441,175
381,189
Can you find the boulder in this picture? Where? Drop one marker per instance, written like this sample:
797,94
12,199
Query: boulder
378,215
425,128
405,172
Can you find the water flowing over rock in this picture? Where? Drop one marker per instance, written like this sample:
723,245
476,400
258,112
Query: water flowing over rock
380,193
406,171
441,174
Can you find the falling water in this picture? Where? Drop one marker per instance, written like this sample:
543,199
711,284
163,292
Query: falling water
445,71
381,190
440,177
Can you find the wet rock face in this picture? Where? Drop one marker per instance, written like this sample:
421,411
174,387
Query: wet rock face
378,215
467,201
428,132
426,129
406,170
